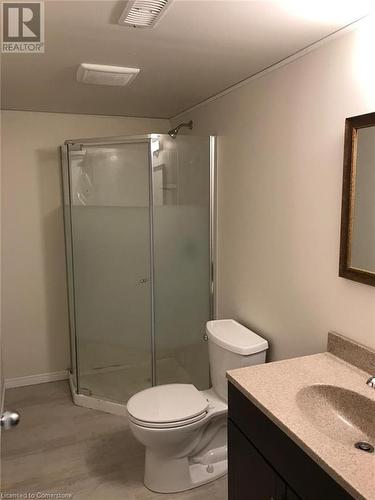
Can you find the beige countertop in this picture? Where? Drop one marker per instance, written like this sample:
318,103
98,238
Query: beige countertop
276,388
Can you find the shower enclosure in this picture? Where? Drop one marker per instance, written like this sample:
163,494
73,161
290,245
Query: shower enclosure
139,224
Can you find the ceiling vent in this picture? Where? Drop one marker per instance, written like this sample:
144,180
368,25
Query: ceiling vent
97,74
143,13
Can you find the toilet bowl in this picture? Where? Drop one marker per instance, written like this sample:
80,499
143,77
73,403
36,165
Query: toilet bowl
184,429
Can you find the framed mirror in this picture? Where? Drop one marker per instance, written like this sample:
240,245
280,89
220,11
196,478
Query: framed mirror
357,249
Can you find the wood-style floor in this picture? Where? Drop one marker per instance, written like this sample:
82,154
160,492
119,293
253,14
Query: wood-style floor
91,455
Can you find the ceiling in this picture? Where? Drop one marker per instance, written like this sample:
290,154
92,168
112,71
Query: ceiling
198,49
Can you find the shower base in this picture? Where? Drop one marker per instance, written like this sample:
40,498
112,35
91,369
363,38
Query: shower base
94,402
113,387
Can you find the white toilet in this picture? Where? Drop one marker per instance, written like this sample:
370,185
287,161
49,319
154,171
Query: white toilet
183,429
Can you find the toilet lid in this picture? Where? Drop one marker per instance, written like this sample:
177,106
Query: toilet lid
167,403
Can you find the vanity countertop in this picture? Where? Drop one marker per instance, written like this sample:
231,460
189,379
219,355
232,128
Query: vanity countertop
282,391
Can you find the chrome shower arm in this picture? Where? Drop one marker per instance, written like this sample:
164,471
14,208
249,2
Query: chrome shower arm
173,133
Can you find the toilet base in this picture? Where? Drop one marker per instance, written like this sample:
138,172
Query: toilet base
179,474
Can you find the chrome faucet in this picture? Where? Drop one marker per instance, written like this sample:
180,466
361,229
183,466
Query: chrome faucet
371,382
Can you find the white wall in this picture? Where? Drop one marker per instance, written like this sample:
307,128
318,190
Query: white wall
280,153
35,320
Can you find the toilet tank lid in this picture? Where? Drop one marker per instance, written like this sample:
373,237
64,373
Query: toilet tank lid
230,335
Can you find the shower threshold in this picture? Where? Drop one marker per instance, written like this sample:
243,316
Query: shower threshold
94,402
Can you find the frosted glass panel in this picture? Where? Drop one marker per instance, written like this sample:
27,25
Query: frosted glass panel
110,228
181,184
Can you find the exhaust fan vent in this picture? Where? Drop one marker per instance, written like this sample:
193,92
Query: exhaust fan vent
97,74
143,13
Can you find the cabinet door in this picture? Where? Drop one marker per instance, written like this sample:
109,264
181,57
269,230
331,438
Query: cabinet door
250,477
290,495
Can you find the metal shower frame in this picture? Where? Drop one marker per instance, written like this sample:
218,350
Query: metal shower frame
78,144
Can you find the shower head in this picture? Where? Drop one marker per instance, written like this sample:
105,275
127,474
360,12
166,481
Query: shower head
173,133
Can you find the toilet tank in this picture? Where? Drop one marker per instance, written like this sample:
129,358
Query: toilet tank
231,345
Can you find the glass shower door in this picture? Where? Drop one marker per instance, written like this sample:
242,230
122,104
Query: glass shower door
182,264
110,229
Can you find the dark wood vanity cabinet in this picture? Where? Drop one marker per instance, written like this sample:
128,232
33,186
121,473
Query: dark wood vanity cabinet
250,476
265,464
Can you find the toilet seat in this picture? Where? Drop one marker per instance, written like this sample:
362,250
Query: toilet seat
171,425
167,406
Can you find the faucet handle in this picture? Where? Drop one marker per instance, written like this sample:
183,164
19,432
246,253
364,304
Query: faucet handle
371,382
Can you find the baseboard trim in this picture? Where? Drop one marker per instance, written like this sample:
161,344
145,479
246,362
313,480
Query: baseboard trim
42,378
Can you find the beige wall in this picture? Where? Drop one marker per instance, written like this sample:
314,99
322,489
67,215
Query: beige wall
35,316
280,153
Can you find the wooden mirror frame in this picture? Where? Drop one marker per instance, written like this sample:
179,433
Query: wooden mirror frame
352,125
